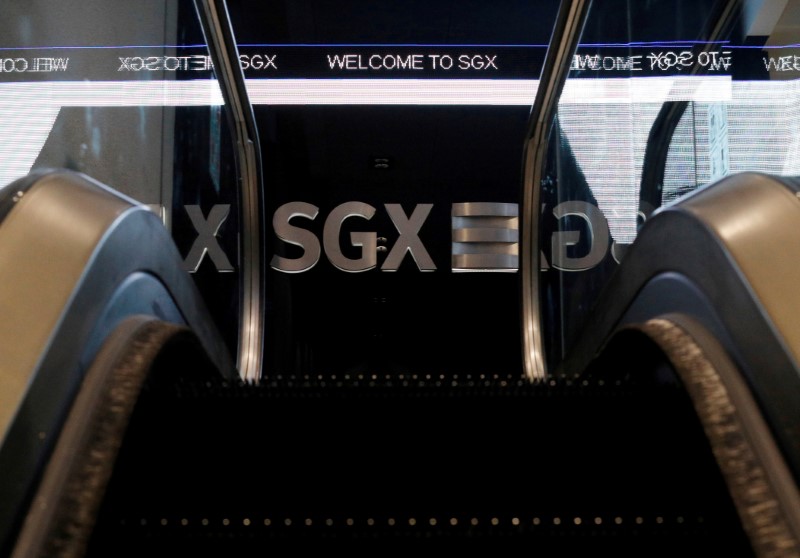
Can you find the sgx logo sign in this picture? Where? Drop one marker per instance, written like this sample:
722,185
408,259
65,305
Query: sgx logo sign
407,226
484,237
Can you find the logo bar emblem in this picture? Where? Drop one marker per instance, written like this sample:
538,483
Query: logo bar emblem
485,237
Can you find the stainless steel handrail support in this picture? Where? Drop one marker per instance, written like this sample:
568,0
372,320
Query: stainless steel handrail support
213,15
566,34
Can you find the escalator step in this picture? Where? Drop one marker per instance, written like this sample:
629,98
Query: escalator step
365,462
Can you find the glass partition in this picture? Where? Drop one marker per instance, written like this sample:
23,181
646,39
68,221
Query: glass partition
392,137
392,142
661,98
125,93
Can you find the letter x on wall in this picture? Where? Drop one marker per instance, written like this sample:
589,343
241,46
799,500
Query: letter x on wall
206,241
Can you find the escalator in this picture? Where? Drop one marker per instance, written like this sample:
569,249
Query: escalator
495,464
654,411
657,447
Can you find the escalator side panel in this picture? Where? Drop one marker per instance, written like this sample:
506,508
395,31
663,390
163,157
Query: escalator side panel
756,217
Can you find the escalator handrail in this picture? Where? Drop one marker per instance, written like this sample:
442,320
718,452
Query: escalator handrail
75,259
759,481
719,242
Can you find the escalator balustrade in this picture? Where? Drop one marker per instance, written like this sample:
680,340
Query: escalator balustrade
660,444
207,465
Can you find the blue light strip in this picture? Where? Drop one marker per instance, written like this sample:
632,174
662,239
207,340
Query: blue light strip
632,44
100,47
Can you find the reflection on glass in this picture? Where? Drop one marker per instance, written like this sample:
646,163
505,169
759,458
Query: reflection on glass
125,93
414,112
661,99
